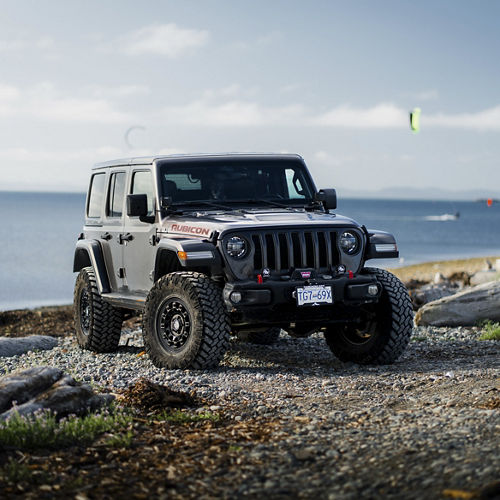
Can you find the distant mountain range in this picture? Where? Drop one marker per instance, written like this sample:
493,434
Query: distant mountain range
412,193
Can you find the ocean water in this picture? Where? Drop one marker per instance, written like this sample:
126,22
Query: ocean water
38,232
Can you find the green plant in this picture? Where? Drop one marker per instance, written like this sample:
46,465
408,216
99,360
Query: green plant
44,430
491,331
121,440
182,417
15,472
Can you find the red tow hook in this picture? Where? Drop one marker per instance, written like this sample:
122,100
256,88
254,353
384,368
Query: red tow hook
260,280
351,275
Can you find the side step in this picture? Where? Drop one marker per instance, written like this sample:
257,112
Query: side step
136,302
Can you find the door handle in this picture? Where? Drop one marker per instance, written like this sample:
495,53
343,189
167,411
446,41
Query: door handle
106,236
125,237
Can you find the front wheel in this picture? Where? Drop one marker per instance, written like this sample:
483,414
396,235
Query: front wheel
384,329
185,324
98,324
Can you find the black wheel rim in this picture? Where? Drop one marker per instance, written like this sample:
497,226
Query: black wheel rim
85,311
173,324
363,333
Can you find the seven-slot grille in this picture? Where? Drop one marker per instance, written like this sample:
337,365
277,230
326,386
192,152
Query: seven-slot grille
301,248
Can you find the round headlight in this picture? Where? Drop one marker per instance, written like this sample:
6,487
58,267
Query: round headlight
349,243
236,247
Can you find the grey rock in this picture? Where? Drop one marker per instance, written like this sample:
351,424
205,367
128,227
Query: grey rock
20,345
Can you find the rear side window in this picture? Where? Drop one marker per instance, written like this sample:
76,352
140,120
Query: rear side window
116,194
142,183
96,195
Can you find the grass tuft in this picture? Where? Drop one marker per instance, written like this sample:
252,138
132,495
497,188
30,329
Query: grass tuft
182,417
120,440
15,472
44,430
491,331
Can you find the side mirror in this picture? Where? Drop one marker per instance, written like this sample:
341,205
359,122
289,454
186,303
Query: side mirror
328,197
137,206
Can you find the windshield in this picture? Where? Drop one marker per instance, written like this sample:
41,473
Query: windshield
233,181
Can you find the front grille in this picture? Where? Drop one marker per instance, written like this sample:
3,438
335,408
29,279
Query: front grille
285,250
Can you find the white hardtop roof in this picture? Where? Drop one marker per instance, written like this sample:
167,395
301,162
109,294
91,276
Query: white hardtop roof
148,160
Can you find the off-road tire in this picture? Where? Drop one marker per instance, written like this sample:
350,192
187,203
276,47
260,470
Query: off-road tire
98,324
385,334
263,337
185,323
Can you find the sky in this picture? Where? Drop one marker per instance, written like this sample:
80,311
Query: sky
331,80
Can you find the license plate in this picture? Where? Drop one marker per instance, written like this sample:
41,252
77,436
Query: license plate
314,295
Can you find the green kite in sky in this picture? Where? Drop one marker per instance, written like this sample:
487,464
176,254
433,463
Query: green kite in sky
415,120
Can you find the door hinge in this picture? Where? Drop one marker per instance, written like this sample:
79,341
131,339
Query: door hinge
121,272
123,238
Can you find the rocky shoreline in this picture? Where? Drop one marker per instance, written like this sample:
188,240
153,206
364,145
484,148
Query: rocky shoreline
291,421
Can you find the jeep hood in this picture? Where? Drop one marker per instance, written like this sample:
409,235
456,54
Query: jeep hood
203,224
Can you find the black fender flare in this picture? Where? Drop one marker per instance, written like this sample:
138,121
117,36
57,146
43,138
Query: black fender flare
190,254
380,245
89,253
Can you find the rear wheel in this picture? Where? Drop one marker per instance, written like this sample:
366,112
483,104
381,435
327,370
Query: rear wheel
384,329
97,323
185,324
268,336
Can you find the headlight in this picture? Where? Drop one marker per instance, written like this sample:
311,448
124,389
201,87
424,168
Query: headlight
236,247
349,243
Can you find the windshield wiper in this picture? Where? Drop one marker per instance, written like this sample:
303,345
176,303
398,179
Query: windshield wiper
193,203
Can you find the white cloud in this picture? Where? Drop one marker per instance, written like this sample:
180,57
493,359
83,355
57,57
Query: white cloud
383,115
8,93
167,40
119,91
236,113
43,101
44,43
488,119
229,108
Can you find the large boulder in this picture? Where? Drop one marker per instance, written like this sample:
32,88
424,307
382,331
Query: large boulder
465,308
47,388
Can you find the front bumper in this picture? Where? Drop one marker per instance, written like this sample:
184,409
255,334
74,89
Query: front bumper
272,294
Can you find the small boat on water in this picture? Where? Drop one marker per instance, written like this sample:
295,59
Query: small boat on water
443,217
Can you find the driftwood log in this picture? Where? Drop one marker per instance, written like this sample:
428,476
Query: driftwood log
20,345
465,308
47,388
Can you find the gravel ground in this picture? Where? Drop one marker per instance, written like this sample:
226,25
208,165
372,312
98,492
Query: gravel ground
428,423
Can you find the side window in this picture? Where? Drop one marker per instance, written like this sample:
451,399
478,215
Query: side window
295,189
116,194
142,183
96,196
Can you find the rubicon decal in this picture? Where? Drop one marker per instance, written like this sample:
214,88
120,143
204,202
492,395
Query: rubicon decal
200,231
